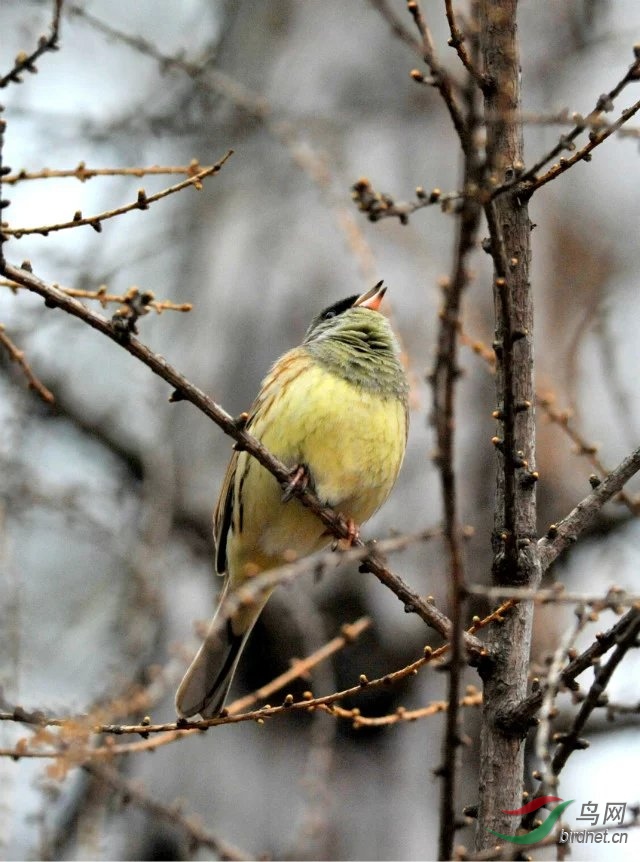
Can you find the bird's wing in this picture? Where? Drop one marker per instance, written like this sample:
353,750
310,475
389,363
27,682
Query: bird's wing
223,514
289,366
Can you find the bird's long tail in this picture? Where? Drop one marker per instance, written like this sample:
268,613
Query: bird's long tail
206,683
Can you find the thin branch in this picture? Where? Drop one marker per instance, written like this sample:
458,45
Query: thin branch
26,62
379,205
583,154
614,599
444,378
167,733
142,202
473,697
17,355
197,835
313,162
301,667
566,532
442,81
132,297
82,173
571,741
568,118
518,719
566,142
397,27
457,41
548,709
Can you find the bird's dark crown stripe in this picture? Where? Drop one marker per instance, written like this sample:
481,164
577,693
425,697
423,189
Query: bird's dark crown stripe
340,306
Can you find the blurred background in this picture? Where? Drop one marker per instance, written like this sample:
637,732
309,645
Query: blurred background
106,497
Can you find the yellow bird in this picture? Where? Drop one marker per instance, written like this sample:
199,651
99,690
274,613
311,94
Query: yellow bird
335,410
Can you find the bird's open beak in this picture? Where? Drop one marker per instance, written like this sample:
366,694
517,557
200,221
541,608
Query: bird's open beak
372,298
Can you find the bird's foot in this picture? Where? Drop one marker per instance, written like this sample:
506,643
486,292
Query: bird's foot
352,537
353,533
300,478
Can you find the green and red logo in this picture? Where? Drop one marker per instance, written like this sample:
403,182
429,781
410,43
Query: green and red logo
545,828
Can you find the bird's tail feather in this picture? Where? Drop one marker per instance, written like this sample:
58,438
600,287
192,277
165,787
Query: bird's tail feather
206,683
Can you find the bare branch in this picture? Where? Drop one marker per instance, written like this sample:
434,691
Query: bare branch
584,153
378,205
473,697
615,599
82,173
529,180
17,355
142,202
172,814
167,733
563,534
442,81
132,297
444,379
457,41
518,719
568,118
26,62
397,27
570,742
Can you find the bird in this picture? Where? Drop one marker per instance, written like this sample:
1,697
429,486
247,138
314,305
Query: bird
335,411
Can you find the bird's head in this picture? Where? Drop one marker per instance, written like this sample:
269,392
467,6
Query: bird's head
354,319
352,339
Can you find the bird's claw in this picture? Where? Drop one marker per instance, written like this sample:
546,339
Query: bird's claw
352,537
300,478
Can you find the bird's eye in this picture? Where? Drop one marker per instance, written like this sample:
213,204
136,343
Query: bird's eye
329,314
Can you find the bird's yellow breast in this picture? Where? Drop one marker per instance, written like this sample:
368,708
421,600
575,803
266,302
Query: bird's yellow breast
351,439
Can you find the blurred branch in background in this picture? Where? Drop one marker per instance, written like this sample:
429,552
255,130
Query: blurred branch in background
336,106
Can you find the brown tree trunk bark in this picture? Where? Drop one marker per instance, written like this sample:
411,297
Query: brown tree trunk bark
515,554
